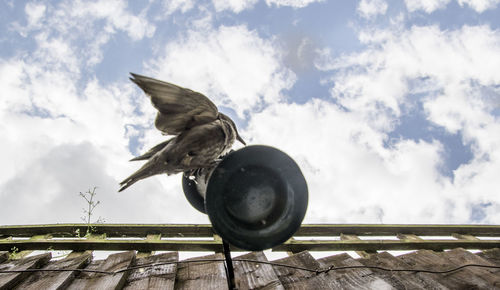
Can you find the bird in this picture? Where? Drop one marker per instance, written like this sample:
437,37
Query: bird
201,134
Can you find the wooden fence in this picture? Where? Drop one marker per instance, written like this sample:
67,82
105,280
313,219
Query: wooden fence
184,237
429,267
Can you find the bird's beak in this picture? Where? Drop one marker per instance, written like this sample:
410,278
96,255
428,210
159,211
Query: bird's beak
238,137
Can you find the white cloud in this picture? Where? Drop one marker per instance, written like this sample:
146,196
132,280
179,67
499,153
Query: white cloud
351,176
231,65
451,68
479,5
234,5
35,12
292,3
116,15
62,133
71,23
58,140
173,5
371,8
428,6
378,76
237,6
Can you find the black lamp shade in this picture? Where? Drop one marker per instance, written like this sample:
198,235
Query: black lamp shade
256,198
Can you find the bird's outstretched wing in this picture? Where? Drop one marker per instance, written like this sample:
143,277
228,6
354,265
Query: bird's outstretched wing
178,108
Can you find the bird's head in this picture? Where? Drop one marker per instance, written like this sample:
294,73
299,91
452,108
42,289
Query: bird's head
238,137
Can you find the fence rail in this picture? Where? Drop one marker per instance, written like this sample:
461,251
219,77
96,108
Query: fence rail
185,237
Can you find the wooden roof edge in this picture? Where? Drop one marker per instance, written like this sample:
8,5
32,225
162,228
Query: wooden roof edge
205,230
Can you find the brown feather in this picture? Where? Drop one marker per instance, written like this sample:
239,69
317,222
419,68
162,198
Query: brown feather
178,108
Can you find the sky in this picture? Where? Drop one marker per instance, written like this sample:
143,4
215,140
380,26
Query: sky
390,108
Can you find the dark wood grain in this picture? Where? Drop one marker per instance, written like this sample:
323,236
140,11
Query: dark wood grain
364,254
352,278
462,257
319,230
111,230
9,280
301,279
492,255
202,275
103,281
113,245
400,280
429,260
157,277
375,245
82,279
57,280
205,230
4,255
250,275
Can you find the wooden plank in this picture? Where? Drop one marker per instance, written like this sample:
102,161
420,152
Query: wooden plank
364,254
400,280
74,254
300,279
205,230
375,245
9,280
461,257
409,237
150,237
492,255
111,230
200,245
25,253
290,253
114,262
320,230
113,245
352,278
202,275
4,256
429,260
212,245
81,279
157,277
57,280
218,239
464,237
332,260
250,275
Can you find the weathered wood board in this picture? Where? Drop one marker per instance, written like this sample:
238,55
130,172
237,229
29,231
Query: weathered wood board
400,280
250,275
9,280
429,260
352,278
4,255
103,281
492,255
157,277
202,275
210,273
460,257
301,279
57,280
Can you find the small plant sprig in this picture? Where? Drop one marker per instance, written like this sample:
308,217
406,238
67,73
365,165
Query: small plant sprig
92,203
13,253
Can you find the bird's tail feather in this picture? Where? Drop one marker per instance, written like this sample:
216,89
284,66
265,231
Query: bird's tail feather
143,172
126,183
152,151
